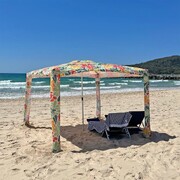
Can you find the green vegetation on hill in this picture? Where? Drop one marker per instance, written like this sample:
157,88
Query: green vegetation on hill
166,65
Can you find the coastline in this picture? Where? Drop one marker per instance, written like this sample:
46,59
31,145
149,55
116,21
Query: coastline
26,152
13,86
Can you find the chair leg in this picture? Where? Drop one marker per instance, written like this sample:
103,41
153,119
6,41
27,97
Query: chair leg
107,135
127,131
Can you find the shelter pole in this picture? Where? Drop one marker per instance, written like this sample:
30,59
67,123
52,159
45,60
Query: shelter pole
27,100
147,129
82,99
55,108
98,100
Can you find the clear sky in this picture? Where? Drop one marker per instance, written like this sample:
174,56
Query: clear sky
40,33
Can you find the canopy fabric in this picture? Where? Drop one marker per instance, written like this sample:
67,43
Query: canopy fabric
84,68
89,69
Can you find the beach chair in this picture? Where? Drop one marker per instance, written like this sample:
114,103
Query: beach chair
136,121
114,121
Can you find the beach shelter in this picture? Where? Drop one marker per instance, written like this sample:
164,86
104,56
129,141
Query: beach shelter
81,69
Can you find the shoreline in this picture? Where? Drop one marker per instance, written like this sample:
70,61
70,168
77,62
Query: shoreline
124,91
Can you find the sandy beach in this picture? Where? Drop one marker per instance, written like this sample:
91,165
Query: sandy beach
25,153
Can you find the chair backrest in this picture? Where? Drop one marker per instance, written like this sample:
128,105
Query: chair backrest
118,119
137,118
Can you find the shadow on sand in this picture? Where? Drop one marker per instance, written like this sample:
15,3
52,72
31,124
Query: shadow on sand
88,140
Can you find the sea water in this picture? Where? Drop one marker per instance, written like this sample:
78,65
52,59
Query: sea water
12,86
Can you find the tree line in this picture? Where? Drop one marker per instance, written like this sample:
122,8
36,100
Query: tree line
165,65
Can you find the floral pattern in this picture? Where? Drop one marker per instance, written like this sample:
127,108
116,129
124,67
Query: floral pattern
55,108
89,69
147,130
88,66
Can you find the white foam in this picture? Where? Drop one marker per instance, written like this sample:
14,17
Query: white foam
122,83
48,86
159,80
9,82
165,80
125,80
4,82
39,82
13,87
67,85
102,84
78,93
86,82
177,83
17,83
118,83
40,87
136,81
110,87
84,88
20,86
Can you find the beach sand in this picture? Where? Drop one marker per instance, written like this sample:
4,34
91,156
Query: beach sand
25,153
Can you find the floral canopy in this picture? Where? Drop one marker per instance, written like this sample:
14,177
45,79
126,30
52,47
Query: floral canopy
84,68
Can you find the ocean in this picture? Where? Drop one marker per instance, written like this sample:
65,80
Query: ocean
12,86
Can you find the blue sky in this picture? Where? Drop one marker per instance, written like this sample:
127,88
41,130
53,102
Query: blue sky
40,33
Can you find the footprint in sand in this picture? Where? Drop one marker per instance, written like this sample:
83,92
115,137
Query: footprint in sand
16,169
19,159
